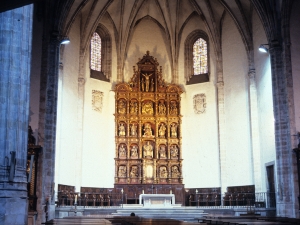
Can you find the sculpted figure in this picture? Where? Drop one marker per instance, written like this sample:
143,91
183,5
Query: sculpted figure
173,108
162,152
134,172
133,108
175,172
174,130
147,130
134,152
143,84
133,130
122,171
147,108
148,150
174,152
147,81
122,106
121,129
161,108
122,151
163,173
152,85
162,130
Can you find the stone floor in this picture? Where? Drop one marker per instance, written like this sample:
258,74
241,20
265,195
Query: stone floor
135,220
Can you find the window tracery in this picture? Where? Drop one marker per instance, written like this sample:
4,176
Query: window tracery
96,52
200,57
196,57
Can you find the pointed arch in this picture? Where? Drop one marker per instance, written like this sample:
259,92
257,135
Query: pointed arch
101,48
193,46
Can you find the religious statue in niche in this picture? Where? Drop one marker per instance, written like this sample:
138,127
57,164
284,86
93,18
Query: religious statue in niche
148,150
173,108
122,129
174,130
122,171
146,82
147,108
133,129
122,106
163,172
133,107
161,108
175,172
134,151
199,103
147,130
134,172
174,152
122,151
162,130
162,152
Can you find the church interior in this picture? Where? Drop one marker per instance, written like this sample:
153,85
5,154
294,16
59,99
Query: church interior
197,99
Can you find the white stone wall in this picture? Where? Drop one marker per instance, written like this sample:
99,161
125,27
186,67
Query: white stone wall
235,73
98,137
200,139
265,99
67,126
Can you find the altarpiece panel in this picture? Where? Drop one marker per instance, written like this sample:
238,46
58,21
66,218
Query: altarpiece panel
148,127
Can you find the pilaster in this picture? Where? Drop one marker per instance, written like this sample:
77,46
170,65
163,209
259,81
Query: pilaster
255,140
222,133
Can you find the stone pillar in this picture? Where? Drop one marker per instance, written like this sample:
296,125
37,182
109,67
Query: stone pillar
286,199
80,115
47,126
256,154
15,59
222,134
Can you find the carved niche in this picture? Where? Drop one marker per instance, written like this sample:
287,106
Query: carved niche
148,127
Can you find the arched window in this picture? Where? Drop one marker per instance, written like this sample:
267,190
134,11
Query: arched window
196,58
100,54
96,52
200,57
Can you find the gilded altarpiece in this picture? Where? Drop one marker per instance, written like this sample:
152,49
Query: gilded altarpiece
148,127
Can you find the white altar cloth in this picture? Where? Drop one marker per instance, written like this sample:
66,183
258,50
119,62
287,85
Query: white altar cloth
157,200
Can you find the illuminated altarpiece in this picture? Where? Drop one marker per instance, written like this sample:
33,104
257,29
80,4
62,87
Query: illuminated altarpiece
148,149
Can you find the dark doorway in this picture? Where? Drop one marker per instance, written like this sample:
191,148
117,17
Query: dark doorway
271,186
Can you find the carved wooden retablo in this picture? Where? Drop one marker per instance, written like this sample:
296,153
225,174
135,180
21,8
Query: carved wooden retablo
148,128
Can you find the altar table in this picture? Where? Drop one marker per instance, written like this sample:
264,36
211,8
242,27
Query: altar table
157,200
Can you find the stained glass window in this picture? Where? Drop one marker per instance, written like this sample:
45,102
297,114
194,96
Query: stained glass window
96,52
200,57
